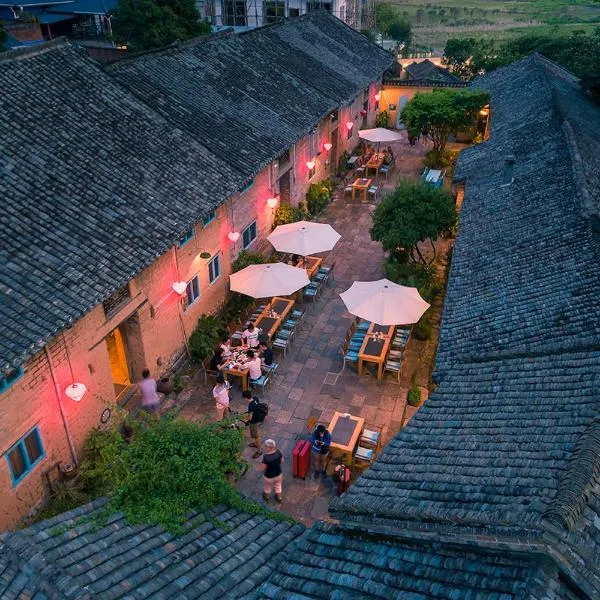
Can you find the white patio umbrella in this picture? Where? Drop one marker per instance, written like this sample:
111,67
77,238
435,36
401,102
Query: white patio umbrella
379,135
263,281
384,302
304,238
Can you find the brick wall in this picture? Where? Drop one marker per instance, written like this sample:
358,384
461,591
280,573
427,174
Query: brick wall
152,321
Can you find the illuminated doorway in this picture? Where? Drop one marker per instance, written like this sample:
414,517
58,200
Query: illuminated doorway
117,356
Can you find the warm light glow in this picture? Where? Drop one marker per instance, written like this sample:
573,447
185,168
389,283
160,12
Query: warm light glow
328,146
377,96
349,125
179,287
272,202
234,236
310,164
483,112
76,391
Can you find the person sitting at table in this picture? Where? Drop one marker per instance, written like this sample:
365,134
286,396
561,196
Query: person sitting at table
388,156
225,346
320,440
218,361
266,354
253,365
250,335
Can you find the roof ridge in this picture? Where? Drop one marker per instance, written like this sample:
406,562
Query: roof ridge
28,51
581,473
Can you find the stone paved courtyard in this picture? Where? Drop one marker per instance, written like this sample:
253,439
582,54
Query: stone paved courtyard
309,381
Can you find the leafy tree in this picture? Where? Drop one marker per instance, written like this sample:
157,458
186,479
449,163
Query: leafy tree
370,35
436,115
399,30
246,258
147,24
412,213
385,15
458,55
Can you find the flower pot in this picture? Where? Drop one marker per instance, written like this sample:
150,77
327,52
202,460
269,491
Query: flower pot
164,386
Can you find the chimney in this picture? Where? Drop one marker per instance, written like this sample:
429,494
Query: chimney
507,175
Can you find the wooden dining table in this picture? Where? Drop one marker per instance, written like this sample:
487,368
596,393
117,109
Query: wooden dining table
313,263
374,350
345,432
267,324
361,184
375,163
279,305
385,330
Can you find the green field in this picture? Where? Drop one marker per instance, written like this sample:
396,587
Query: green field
434,22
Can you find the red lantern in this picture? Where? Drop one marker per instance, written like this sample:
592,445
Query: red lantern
76,391
349,125
327,146
377,96
310,164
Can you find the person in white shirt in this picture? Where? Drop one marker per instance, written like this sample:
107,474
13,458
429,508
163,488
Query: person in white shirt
250,335
221,395
150,399
225,346
253,365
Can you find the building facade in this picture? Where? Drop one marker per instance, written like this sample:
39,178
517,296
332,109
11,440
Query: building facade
155,210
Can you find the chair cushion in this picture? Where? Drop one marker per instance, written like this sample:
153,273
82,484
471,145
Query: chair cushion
364,453
369,437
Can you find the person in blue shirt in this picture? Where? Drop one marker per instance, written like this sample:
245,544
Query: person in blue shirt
320,440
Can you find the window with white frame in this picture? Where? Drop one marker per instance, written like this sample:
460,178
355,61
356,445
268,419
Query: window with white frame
214,268
24,455
249,235
209,218
187,236
193,290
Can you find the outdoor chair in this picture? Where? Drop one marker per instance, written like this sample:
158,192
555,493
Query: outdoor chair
348,355
311,291
270,369
373,192
208,372
385,169
363,457
371,437
393,364
360,171
348,190
236,338
262,382
283,340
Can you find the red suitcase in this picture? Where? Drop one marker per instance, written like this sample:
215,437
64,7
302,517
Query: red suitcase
301,459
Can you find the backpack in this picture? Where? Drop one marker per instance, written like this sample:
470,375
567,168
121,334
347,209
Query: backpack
261,411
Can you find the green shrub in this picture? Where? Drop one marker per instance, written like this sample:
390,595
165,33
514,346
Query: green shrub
285,214
318,196
382,119
343,167
244,259
414,275
177,383
233,309
414,396
205,337
422,329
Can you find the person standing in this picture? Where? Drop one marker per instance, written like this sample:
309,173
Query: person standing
271,468
250,335
150,399
221,395
320,440
257,414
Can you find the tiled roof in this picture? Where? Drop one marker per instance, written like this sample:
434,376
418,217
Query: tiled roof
328,562
250,97
427,71
83,554
95,186
507,447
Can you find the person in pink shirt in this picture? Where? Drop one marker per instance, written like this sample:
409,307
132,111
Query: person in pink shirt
150,399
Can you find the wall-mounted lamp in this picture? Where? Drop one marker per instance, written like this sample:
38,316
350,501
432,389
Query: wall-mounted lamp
76,391
234,236
272,202
349,125
179,287
377,96
310,164
327,146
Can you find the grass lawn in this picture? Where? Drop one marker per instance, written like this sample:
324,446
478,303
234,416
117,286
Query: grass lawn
433,23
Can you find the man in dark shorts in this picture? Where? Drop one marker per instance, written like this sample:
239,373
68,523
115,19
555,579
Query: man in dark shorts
257,416
271,468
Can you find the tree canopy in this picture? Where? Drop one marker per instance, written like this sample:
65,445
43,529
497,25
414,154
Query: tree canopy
578,52
147,24
390,24
412,213
436,115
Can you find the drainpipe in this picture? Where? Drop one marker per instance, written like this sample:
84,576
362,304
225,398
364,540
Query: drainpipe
61,407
